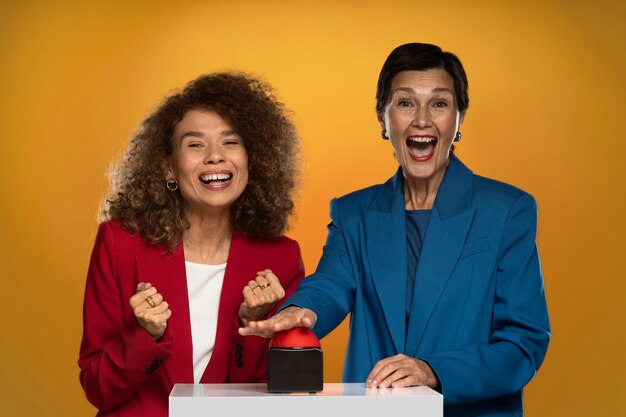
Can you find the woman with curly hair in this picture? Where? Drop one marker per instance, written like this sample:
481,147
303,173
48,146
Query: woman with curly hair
191,247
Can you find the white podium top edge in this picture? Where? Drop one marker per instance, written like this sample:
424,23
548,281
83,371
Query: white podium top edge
330,390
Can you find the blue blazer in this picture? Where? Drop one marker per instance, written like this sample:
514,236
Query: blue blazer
478,316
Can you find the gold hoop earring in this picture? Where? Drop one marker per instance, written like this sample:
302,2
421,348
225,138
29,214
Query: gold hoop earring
172,185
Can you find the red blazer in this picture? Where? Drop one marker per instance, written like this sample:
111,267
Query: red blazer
123,371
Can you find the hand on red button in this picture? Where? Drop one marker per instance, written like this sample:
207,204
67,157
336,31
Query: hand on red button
287,319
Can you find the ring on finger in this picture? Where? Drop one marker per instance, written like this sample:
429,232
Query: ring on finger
150,302
264,286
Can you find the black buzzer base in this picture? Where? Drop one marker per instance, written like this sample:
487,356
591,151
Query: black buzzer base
295,370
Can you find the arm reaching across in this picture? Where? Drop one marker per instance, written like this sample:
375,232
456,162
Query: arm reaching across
288,318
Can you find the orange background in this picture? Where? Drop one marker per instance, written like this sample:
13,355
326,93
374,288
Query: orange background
547,108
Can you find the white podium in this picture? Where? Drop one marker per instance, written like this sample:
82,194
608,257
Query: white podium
253,400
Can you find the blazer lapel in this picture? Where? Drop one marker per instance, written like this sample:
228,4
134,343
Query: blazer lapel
449,224
386,247
166,272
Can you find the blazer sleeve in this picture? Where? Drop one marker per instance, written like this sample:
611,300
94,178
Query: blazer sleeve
250,352
116,356
520,328
330,291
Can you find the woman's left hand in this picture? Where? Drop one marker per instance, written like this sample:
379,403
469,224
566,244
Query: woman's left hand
259,296
401,371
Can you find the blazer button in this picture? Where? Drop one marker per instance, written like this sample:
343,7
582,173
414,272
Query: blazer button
239,363
154,365
238,347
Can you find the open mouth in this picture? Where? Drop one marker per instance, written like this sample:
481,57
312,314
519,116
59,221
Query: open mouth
216,178
421,148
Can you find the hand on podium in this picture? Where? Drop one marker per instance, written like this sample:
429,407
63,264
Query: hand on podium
287,319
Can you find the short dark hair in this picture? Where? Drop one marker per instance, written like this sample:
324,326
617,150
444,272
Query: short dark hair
420,57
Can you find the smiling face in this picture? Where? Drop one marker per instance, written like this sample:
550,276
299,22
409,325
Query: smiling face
209,161
422,118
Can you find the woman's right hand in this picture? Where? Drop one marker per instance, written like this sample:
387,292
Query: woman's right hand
287,319
151,311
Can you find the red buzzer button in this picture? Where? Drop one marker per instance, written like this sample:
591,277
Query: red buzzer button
298,337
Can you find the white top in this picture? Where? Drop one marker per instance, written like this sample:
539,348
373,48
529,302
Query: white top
204,285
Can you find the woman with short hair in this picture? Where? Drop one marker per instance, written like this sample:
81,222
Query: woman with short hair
438,267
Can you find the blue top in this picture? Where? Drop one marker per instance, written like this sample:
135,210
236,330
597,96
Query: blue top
416,225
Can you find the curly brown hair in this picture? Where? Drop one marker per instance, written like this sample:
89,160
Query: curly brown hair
138,197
